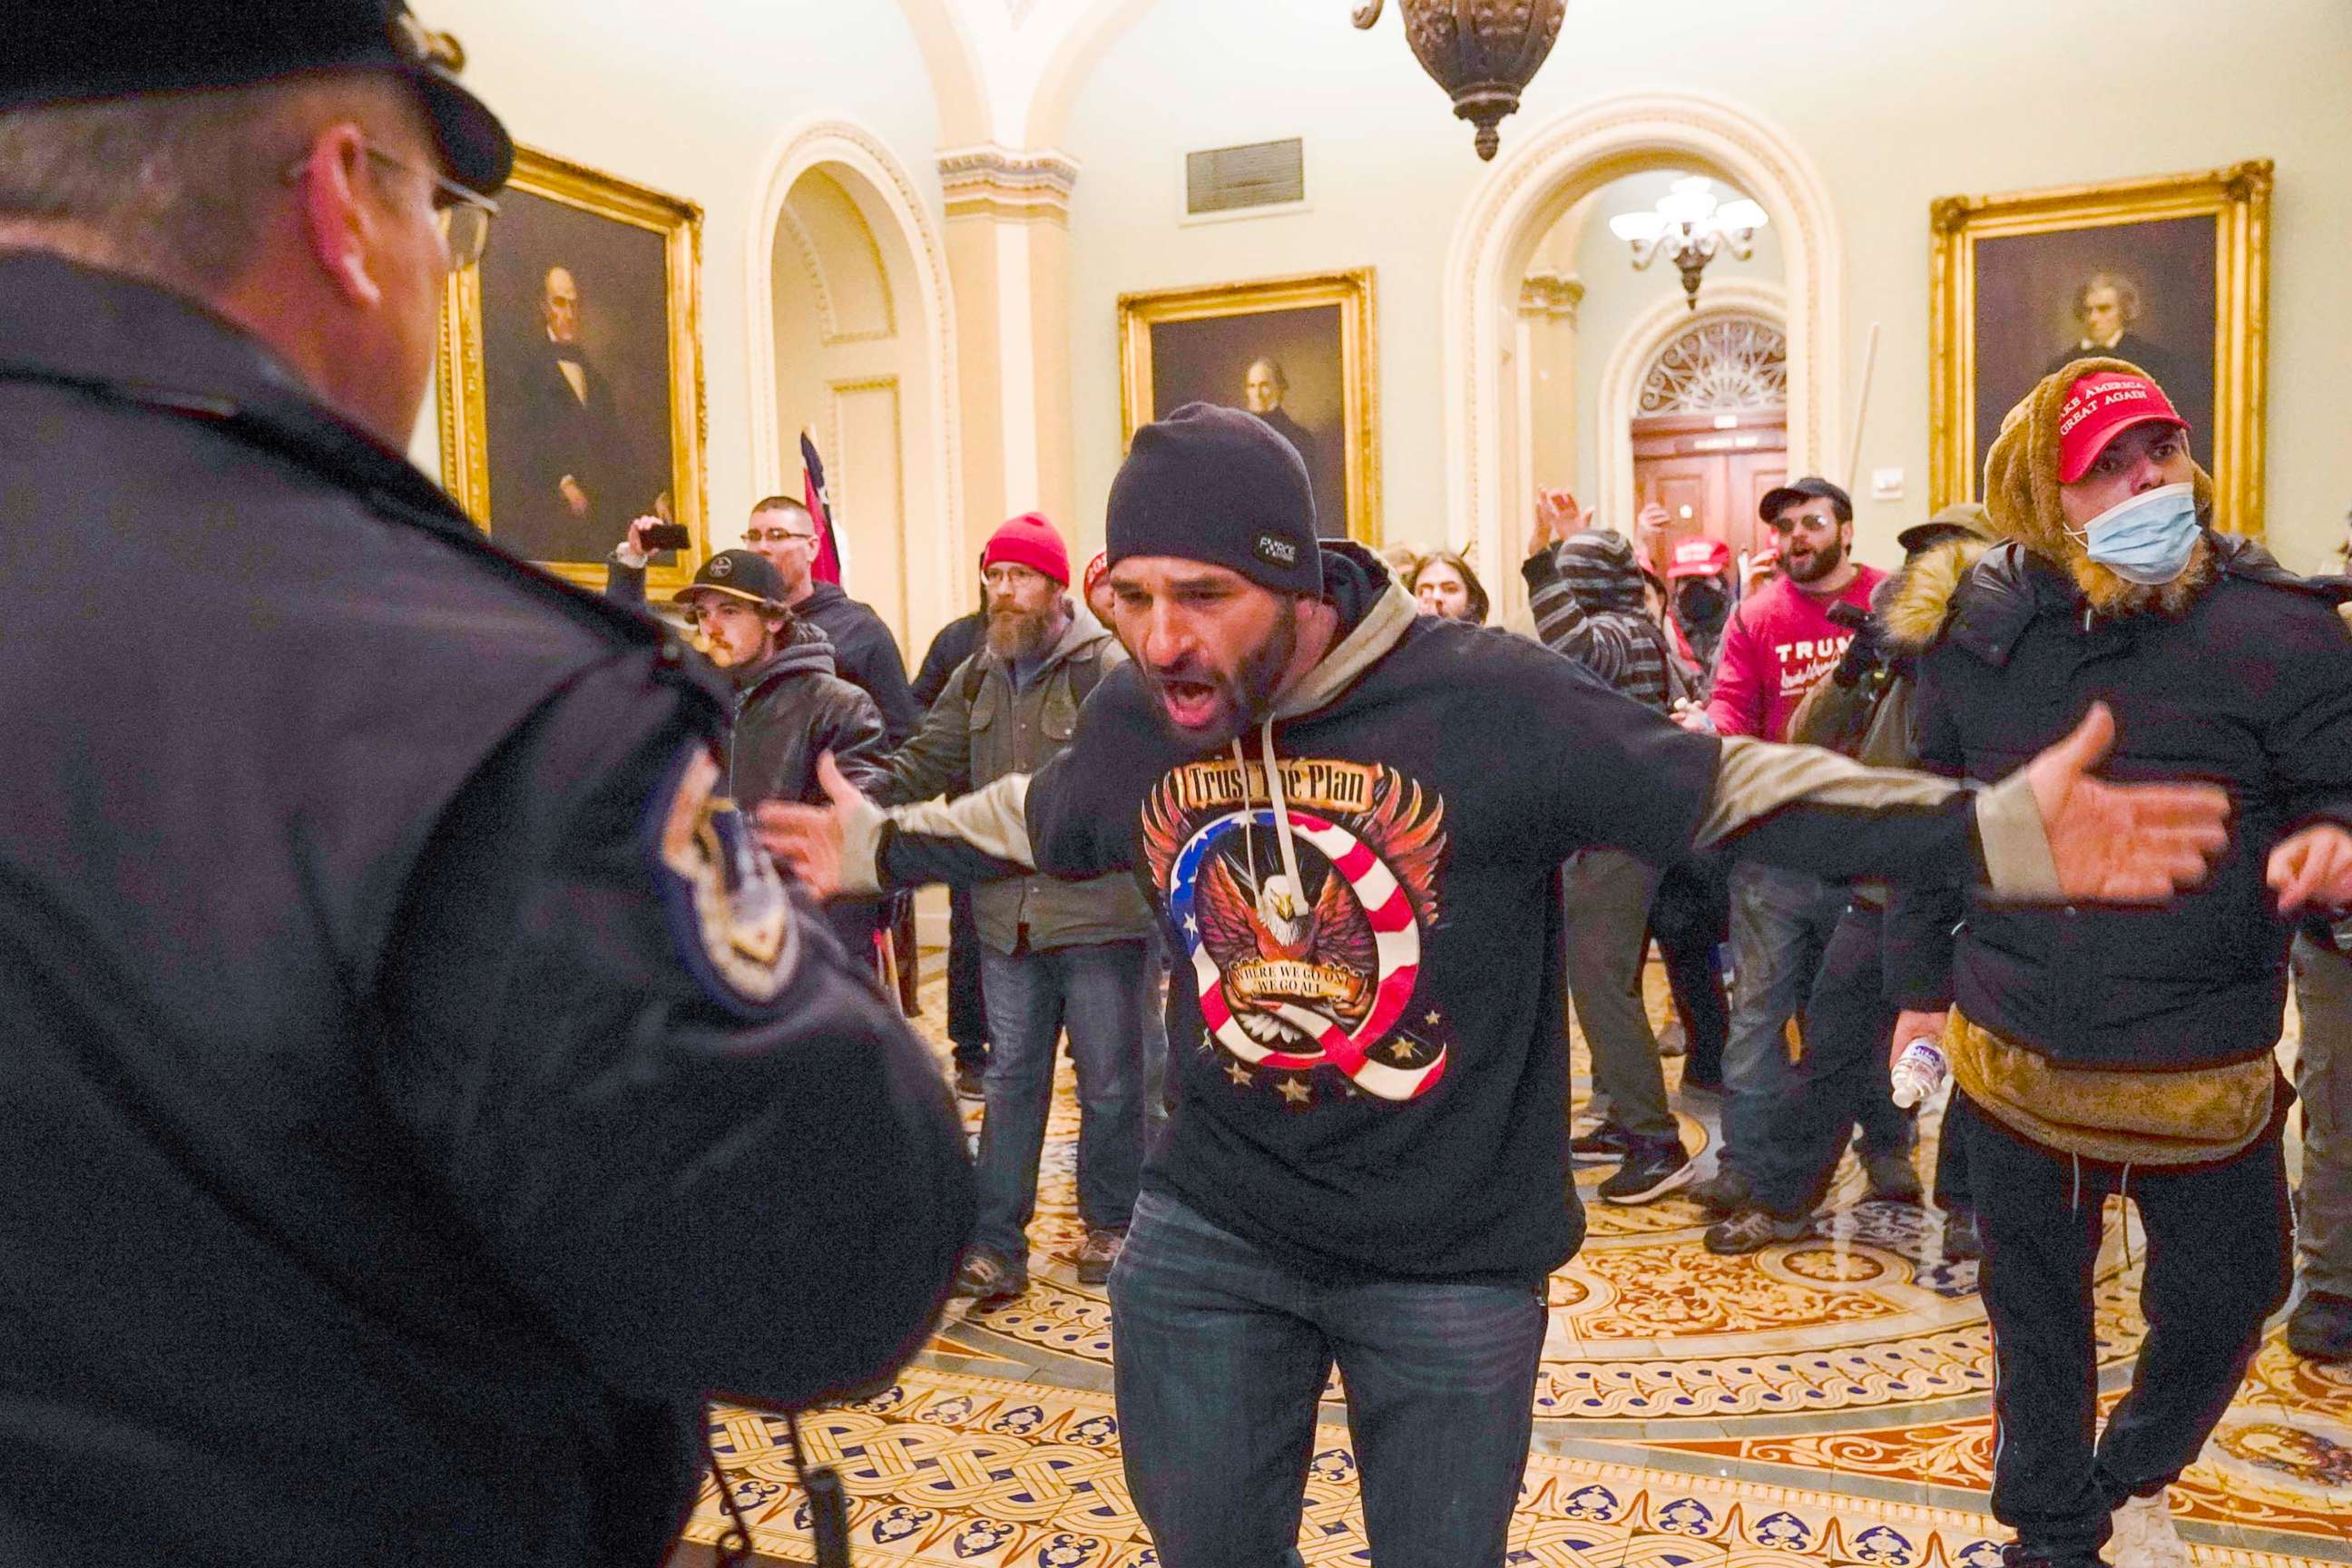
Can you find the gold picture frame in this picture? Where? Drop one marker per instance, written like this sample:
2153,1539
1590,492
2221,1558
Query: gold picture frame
1183,346
523,407
2124,236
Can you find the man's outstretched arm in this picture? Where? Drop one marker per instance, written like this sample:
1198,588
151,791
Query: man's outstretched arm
2052,832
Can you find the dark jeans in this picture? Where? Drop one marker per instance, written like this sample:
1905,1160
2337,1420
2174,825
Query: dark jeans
1839,1081
2218,1265
1781,926
1690,918
966,1012
1222,1353
1096,991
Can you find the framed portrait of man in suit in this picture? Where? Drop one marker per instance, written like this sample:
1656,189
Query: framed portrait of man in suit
571,377
1299,352
2170,273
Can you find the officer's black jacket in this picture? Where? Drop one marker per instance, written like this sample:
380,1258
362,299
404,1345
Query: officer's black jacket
378,1182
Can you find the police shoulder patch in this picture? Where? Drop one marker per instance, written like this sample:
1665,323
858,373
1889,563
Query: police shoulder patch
730,916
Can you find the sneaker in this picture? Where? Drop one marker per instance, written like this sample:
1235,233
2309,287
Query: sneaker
989,1279
1099,1253
1602,1138
1963,1239
2142,1534
1753,1230
2320,1328
1649,1171
1891,1179
1724,1192
971,1079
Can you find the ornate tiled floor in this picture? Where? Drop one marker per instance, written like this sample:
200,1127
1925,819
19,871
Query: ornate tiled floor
1824,1401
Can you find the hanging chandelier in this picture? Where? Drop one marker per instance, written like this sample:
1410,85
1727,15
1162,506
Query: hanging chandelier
1481,52
1690,228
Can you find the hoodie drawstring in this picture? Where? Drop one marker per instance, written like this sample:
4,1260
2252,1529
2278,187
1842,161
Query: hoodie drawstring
1280,801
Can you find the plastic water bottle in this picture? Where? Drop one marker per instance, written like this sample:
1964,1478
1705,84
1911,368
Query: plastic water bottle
1919,1071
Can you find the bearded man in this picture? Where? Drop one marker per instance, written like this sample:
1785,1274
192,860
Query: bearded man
1778,646
2124,1052
1054,955
1361,870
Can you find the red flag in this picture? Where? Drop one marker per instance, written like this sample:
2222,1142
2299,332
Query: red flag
827,568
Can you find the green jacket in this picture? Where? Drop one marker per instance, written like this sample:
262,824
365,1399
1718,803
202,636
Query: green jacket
981,729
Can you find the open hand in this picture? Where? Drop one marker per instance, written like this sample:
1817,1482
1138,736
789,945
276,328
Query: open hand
807,840
2122,843
1557,515
2313,869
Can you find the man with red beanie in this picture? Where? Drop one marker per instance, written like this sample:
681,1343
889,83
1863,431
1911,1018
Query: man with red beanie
1054,955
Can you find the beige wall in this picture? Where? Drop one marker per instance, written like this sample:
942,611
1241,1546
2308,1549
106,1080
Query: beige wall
1893,105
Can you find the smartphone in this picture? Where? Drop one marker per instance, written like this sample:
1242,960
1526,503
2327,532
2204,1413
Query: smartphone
669,536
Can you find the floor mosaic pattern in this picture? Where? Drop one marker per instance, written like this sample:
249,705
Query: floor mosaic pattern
1823,1402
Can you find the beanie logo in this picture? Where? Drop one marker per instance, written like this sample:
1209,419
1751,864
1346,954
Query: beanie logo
1275,551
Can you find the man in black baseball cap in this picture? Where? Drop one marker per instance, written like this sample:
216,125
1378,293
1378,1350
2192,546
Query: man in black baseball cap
421,1092
79,53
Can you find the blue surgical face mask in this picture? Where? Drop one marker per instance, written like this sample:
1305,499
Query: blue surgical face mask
2148,538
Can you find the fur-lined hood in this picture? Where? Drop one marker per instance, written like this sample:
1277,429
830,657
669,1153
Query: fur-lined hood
1917,598
2021,494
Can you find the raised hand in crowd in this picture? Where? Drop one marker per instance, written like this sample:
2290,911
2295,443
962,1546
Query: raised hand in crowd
1559,514
1650,529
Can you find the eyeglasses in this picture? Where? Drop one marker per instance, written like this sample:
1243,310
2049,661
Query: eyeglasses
771,535
462,215
1005,575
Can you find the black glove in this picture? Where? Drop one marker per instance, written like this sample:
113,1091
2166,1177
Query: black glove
1863,655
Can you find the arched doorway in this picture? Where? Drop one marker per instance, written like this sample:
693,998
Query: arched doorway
1709,433
1524,197
853,345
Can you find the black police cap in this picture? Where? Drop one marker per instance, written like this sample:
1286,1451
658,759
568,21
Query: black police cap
68,52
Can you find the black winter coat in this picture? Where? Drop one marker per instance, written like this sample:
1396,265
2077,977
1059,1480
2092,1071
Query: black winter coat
866,654
789,709
2251,687
957,641
393,1160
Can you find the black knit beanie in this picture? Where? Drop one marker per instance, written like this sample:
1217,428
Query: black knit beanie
1218,485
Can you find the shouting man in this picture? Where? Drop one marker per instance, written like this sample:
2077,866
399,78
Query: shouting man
1360,872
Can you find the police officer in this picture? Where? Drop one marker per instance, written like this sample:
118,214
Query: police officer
418,1095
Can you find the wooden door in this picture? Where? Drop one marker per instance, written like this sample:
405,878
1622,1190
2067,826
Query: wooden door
1709,471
